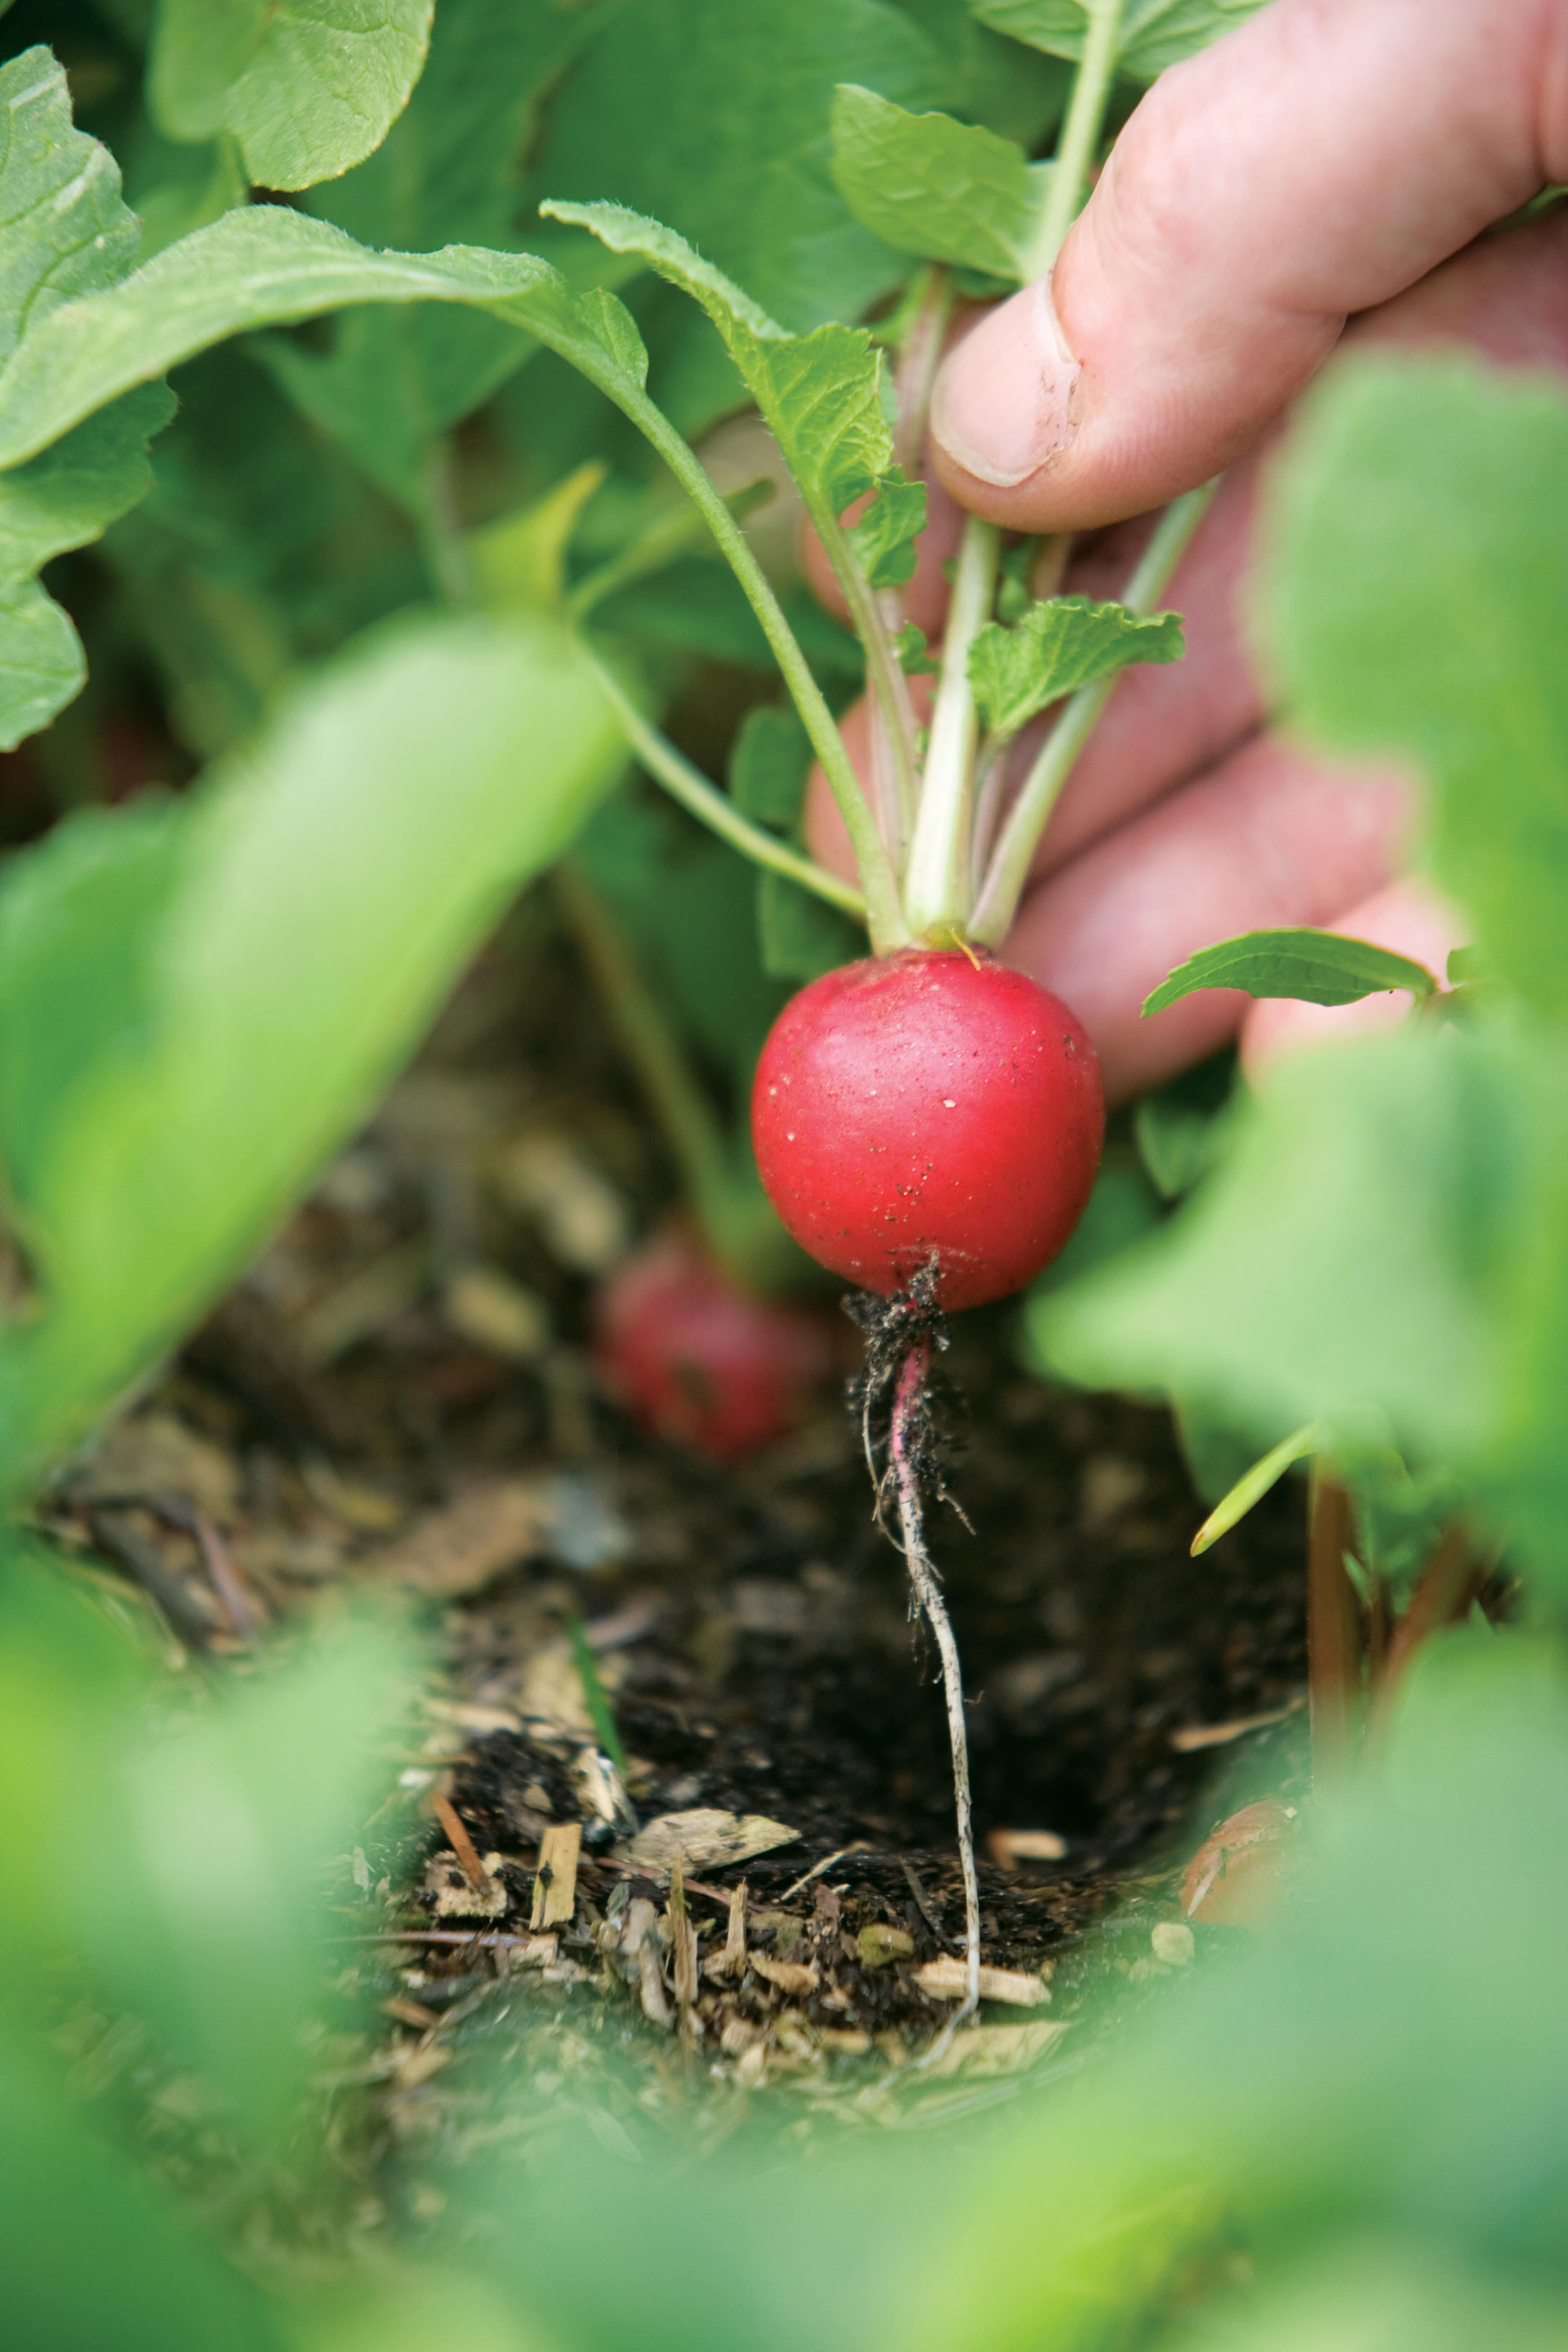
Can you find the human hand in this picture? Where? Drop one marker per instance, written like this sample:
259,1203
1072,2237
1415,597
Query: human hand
1325,159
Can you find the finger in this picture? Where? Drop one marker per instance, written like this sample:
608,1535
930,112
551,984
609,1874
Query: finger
1311,164
1413,920
1267,839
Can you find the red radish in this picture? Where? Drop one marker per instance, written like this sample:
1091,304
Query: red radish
700,1362
929,1101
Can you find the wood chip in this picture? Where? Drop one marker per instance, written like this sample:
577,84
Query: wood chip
555,1886
732,1959
788,1975
655,2006
705,1839
947,1979
682,1943
461,1548
998,2049
1195,1736
462,1845
1010,1847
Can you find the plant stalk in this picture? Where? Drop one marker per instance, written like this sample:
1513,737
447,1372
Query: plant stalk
892,712
883,913
1014,855
1080,134
937,884
688,784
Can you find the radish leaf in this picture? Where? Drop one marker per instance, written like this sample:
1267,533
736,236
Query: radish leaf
1418,568
1316,967
69,234
1058,646
1154,34
395,378
822,392
946,190
307,87
884,538
299,918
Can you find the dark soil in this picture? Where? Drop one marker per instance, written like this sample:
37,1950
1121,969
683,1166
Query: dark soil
754,1622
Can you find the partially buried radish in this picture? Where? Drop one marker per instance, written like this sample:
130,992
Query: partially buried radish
698,1360
932,1104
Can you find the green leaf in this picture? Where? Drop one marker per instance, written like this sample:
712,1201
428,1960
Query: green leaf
687,902
800,936
518,563
194,186
1058,646
1316,967
910,645
768,766
946,190
884,538
69,234
78,933
258,267
1154,34
41,662
716,118
307,87
447,172
823,392
64,498
1349,1262
330,883
1180,1128
1255,1483
1413,595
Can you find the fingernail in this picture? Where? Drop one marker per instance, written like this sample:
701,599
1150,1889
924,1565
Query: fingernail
1002,402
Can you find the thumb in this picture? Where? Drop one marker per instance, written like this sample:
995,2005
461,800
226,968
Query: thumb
1312,163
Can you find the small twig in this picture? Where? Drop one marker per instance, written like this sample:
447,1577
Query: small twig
117,1533
856,1845
463,1847
923,1904
227,1582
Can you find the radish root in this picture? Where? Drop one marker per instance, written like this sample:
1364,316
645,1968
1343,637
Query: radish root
896,1428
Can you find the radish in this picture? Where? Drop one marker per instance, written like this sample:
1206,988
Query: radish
697,1360
927,1122
932,1104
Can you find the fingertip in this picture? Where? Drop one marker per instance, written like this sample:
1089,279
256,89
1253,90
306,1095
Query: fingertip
1004,406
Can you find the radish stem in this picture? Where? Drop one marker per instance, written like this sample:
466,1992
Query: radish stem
691,788
1080,134
1014,855
936,884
